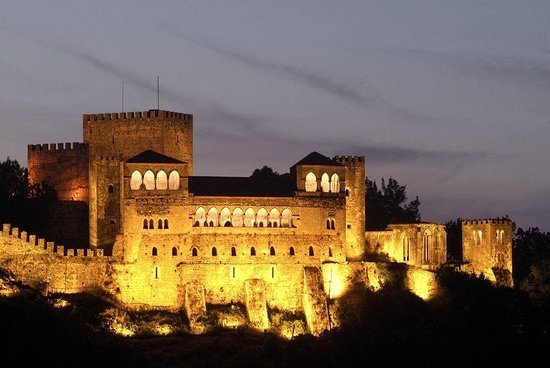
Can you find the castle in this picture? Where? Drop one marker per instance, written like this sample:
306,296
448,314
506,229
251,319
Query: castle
160,237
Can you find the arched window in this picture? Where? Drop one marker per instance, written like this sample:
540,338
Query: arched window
111,188
249,217
214,252
311,252
135,180
225,217
212,217
274,217
162,180
332,224
328,224
238,217
272,251
426,249
154,251
233,251
174,180
151,224
200,216
174,251
149,180
325,185
252,251
166,223
347,192
145,224
286,218
335,183
261,218
291,251
160,224
406,245
329,251
311,182
194,252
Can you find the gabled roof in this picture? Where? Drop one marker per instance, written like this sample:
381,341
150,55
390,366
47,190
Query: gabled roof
224,186
152,157
315,158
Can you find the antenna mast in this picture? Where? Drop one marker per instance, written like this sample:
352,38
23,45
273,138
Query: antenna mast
158,93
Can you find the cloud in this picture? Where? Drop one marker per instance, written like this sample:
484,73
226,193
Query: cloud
278,69
480,66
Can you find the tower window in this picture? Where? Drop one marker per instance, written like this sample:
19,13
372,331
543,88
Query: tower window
291,251
151,224
194,252
311,252
174,251
214,252
272,251
233,251
252,251
111,188
166,223
154,252
145,224
160,224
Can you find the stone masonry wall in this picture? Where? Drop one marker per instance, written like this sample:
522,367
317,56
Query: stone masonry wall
51,267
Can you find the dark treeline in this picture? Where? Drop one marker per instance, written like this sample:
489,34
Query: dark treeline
386,205
22,204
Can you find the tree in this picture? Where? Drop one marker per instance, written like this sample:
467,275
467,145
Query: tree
454,239
265,172
388,205
21,204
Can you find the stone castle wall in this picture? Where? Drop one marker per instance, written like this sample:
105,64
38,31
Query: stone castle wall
487,245
51,267
63,165
116,137
355,204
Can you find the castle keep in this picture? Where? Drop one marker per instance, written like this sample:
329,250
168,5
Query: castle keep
160,237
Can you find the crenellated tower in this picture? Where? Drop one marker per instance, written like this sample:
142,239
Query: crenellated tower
115,137
487,247
355,204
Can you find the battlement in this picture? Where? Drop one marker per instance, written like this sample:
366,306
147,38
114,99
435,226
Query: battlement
39,244
138,115
349,159
487,221
75,146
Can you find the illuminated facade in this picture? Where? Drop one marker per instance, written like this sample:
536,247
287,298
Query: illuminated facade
168,239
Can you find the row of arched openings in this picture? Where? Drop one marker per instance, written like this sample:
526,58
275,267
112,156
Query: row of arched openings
327,185
238,218
214,251
154,251
151,182
426,246
150,224
477,236
331,224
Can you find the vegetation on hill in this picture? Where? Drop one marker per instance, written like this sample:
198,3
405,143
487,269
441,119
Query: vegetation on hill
387,204
22,204
469,323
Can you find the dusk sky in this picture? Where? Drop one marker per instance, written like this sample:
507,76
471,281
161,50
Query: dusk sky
451,98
